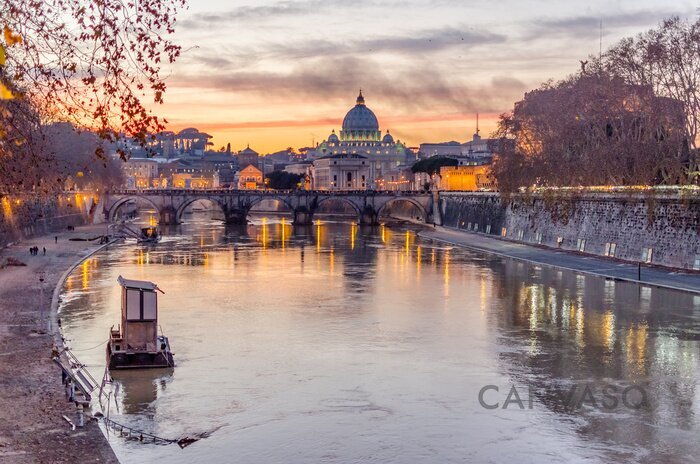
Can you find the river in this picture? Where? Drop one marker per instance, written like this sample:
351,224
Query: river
345,344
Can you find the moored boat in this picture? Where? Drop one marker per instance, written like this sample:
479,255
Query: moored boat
135,343
149,235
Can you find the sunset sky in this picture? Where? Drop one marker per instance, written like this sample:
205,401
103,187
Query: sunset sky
274,74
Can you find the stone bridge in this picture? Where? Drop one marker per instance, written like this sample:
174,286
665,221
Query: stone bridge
302,204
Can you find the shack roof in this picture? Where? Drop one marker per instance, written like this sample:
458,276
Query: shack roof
142,284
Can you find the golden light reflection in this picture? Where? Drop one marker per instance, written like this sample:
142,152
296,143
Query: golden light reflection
284,235
140,258
318,236
85,274
383,233
352,236
264,232
418,261
408,243
331,261
636,345
608,328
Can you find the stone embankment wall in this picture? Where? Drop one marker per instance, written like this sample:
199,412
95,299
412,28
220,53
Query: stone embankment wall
27,215
620,225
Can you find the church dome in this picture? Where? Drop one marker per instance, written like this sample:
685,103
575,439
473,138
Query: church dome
360,118
388,138
333,138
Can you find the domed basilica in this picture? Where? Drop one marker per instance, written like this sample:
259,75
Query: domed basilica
360,135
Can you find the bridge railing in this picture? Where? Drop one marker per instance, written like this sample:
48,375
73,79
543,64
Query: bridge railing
263,192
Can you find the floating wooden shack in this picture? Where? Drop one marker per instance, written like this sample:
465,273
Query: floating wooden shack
135,343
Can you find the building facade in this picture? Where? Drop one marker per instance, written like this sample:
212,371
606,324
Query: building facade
250,178
340,172
140,172
247,157
467,178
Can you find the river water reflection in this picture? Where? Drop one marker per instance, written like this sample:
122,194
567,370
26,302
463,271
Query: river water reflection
339,343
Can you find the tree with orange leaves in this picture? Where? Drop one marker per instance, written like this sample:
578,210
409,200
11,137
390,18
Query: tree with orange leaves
93,63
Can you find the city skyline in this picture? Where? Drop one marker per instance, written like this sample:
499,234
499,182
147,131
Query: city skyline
284,73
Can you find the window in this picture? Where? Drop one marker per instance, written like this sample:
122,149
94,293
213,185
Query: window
581,244
610,249
140,305
349,177
647,254
504,231
335,178
520,234
133,304
488,228
149,306
538,238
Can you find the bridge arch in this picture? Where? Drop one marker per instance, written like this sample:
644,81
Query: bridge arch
259,199
417,204
338,198
112,211
181,209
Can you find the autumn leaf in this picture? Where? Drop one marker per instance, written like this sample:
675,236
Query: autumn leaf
10,37
2,55
5,93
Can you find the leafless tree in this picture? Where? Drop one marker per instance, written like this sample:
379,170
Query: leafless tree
591,129
666,58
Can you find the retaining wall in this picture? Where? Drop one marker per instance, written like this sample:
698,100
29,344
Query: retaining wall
624,225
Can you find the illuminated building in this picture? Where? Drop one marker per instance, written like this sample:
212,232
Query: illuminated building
140,172
250,178
473,177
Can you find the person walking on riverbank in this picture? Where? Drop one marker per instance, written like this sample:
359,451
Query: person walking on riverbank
44,251
56,239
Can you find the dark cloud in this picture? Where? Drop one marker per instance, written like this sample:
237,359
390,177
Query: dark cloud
280,9
337,79
589,26
420,42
